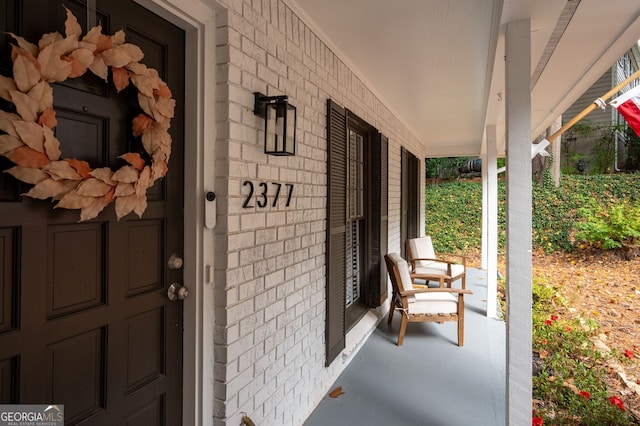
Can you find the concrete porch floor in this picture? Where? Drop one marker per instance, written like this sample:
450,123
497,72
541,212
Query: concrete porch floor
428,380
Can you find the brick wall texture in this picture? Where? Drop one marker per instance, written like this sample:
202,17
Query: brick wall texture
270,261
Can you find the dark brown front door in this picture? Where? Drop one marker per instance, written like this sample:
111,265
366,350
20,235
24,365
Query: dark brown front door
84,316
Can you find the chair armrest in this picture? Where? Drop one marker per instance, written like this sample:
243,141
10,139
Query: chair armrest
434,277
435,290
463,258
430,277
419,286
412,261
437,259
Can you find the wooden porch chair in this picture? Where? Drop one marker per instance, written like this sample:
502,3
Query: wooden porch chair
425,263
420,304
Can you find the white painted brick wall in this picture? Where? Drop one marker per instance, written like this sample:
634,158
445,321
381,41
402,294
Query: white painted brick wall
270,276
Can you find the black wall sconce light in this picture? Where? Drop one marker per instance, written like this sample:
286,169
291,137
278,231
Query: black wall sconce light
279,123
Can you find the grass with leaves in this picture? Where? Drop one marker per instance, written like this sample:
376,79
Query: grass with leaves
454,210
569,382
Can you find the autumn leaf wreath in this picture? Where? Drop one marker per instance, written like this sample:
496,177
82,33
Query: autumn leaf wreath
29,141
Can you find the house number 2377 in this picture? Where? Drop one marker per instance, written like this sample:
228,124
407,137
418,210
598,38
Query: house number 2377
261,196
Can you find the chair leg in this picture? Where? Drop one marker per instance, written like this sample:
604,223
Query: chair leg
461,324
403,329
391,309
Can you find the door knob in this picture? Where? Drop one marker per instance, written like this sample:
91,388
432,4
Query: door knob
177,291
174,262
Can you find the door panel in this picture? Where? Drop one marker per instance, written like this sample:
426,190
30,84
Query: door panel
84,316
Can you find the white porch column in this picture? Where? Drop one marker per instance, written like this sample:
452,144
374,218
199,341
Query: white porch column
490,219
519,270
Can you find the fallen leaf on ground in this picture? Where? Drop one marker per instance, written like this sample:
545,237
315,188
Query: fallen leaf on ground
336,392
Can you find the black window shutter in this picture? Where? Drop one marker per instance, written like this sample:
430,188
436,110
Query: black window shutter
376,222
336,229
384,214
404,200
414,196
410,196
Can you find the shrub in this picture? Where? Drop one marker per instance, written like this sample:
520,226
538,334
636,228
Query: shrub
609,227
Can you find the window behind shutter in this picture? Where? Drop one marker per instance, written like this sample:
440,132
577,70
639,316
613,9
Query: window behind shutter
336,230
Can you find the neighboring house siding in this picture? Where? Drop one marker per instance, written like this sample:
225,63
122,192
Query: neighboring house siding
598,115
584,146
270,272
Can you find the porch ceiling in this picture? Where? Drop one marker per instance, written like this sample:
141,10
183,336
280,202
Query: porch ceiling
439,64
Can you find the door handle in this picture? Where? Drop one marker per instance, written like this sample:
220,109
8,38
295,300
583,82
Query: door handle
177,291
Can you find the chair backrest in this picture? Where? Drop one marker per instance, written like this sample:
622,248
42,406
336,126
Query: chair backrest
421,247
399,272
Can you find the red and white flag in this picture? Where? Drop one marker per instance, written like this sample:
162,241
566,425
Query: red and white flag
628,105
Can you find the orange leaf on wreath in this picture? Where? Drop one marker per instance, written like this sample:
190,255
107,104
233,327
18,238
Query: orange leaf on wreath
140,124
104,43
48,118
162,92
82,167
77,67
134,159
120,78
28,157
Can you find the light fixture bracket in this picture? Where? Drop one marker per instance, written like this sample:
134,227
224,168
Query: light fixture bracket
261,101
